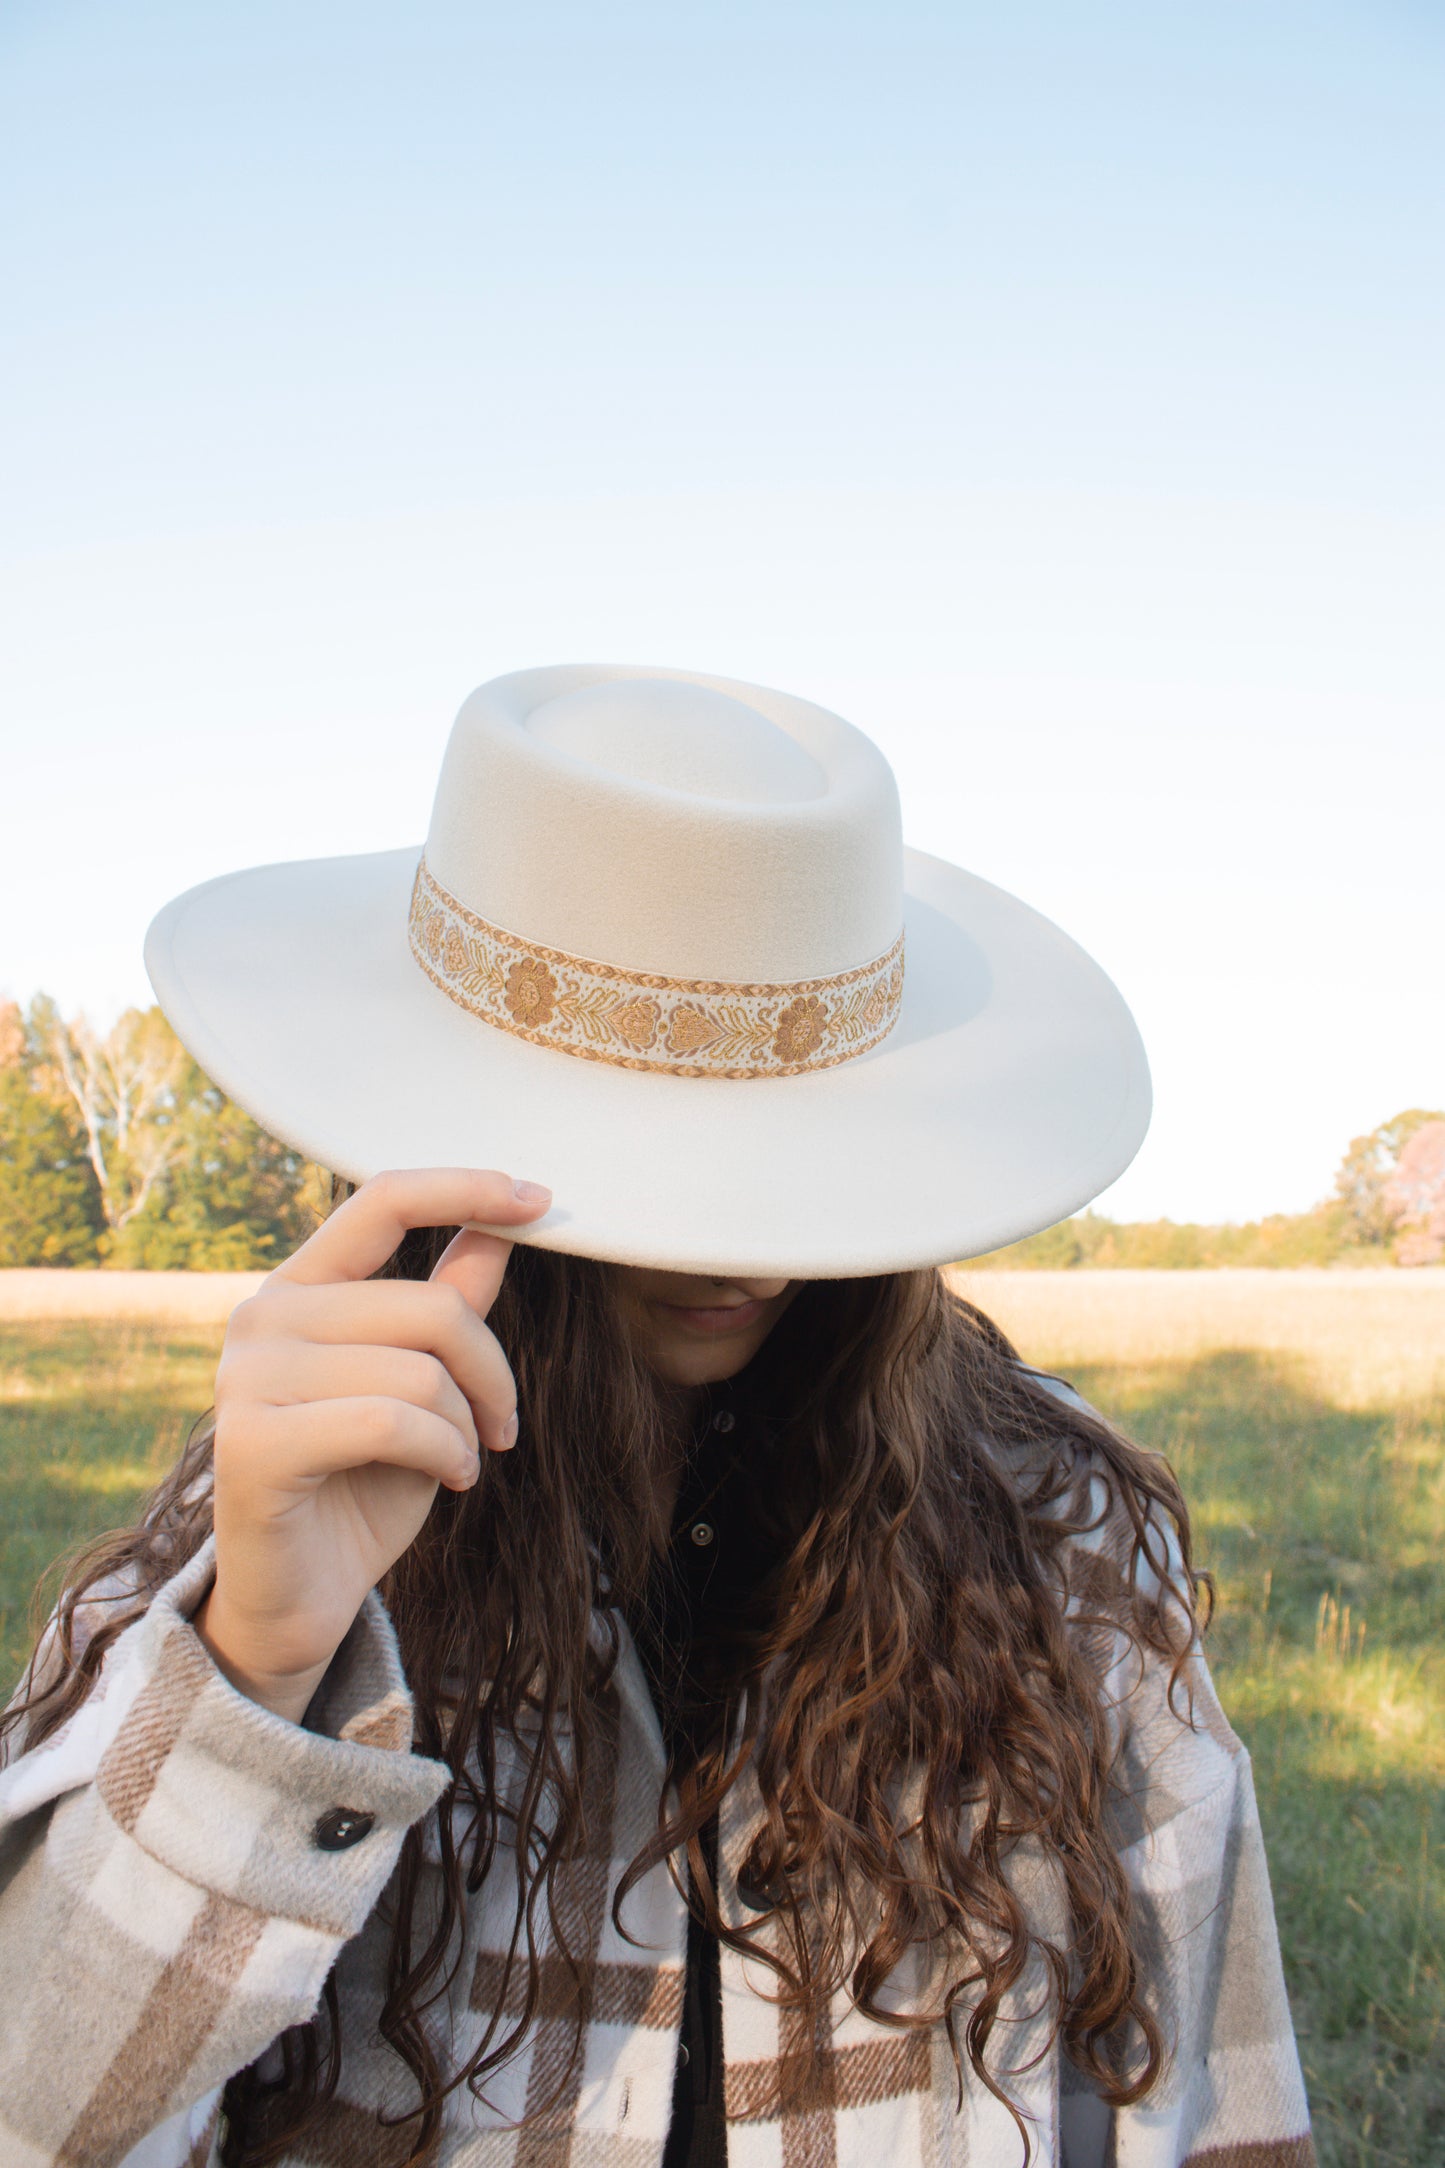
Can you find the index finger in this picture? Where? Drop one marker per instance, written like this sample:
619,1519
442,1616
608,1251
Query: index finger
357,1239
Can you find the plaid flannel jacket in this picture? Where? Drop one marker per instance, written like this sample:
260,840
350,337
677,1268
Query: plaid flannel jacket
175,1888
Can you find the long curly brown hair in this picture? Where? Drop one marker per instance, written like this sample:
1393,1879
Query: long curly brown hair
927,1614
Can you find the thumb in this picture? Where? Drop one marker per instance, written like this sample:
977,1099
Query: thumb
473,1263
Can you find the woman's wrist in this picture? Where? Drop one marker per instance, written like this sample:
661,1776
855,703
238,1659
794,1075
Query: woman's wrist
239,1659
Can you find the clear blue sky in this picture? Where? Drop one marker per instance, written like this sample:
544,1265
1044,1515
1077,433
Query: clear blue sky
1056,390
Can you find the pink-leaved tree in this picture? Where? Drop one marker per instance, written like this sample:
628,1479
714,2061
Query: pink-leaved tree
1415,1193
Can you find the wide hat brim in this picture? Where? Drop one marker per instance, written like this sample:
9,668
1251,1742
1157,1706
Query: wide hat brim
1013,1088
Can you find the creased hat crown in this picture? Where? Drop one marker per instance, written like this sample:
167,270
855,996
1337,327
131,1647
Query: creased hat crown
673,824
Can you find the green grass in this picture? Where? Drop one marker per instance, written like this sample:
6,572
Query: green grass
1324,1527
91,1415
1323,1521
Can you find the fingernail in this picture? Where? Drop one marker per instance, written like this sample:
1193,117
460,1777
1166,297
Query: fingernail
510,1429
531,1192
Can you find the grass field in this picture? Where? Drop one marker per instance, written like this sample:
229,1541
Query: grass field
1306,1415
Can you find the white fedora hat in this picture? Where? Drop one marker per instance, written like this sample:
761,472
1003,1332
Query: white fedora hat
665,951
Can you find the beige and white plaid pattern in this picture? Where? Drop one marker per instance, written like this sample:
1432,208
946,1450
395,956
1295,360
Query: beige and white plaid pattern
165,1914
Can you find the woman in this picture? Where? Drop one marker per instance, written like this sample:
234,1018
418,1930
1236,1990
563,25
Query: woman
677,1690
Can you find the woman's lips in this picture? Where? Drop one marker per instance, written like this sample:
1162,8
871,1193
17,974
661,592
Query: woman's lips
722,1318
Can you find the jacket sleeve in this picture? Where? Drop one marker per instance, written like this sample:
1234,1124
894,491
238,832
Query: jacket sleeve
178,1871
1231,2094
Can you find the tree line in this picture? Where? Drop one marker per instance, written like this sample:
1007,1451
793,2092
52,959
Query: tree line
116,1149
1387,1207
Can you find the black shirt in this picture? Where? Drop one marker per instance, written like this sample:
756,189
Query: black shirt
722,1544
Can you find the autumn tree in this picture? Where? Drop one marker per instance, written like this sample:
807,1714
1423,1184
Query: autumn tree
124,1088
231,1197
1415,1193
120,1150
1363,1183
50,1208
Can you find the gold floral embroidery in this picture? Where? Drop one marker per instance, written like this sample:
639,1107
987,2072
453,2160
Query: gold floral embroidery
598,1014
531,991
637,1022
800,1029
640,1020
689,1030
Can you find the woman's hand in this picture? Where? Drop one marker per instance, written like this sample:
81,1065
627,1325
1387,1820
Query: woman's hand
342,1403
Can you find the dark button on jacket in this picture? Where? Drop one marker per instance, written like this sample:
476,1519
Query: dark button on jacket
340,1827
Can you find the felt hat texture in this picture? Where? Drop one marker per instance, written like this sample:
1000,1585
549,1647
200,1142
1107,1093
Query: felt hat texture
666,951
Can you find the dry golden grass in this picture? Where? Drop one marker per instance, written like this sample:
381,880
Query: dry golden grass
196,1298
1362,1336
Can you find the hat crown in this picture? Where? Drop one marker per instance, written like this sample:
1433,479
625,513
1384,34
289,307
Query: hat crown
680,737
663,822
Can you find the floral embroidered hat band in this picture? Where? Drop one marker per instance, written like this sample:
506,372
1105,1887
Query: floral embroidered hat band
652,952
690,1027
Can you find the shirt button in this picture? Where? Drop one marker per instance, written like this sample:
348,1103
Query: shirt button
724,1421
702,1533
340,1827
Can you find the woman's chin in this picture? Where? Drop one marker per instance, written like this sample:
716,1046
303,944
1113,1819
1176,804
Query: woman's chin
684,1357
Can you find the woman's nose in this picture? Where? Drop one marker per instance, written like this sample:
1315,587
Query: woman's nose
758,1290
